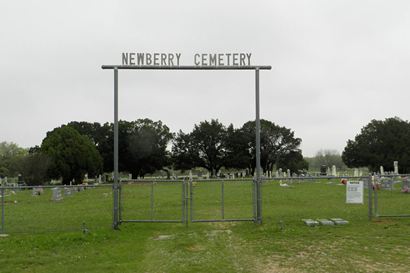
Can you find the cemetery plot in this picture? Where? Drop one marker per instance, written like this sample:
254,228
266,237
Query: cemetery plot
388,193
37,210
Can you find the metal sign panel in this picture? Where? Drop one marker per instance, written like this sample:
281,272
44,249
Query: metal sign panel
354,192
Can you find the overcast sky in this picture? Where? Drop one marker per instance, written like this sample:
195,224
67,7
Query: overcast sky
336,64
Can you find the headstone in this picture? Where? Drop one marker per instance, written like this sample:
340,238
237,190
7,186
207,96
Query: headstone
277,173
386,183
381,170
356,172
67,191
339,221
130,176
354,192
310,222
99,179
328,171
396,167
86,176
325,222
334,170
233,176
190,175
405,187
207,175
288,173
360,173
56,194
37,191
284,174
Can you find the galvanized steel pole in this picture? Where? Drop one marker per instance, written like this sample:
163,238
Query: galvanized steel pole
258,151
115,185
2,210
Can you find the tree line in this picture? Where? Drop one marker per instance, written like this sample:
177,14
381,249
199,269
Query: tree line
145,146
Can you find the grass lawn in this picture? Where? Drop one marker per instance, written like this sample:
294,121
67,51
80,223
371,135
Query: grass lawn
46,236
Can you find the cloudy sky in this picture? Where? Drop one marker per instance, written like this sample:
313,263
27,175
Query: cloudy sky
336,64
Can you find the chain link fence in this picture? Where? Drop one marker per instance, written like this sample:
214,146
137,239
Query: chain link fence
41,209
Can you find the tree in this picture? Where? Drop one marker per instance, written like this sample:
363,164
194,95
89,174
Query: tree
72,155
276,142
379,144
293,161
34,168
328,158
101,136
10,158
204,147
143,146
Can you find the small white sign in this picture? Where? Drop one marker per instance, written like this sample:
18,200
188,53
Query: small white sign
354,192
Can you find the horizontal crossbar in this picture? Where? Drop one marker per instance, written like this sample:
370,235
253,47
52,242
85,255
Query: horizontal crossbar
188,67
151,221
222,220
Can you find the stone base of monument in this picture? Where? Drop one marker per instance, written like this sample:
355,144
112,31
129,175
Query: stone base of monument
310,222
325,222
339,221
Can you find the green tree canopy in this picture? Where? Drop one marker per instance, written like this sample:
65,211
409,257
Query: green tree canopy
10,158
204,147
72,155
276,142
379,144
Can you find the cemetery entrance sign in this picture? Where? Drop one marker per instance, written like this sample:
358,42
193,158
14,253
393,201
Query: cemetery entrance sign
172,61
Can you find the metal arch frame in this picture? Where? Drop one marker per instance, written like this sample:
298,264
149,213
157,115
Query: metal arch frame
258,180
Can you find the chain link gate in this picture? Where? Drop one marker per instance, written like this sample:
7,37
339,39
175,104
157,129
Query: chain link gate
199,201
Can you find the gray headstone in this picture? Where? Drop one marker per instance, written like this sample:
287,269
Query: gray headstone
325,222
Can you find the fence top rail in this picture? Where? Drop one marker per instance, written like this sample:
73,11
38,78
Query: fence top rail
187,67
57,186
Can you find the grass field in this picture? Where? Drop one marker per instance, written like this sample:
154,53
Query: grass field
47,236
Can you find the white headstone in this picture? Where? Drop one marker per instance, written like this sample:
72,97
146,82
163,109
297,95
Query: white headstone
334,170
396,167
381,170
130,176
288,173
99,179
190,175
233,176
56,194
328,171
354,192
356,172
360,173
277,173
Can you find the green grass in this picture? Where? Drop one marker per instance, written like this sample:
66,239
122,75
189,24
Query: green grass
46,236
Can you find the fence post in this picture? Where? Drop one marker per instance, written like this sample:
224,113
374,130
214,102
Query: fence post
152,200
191,195
2,210
370,197
223,199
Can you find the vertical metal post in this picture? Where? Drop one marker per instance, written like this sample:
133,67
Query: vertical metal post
370,197
152,200
183,202
258,151
116,184
2,210
191,196
376,203
223,199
